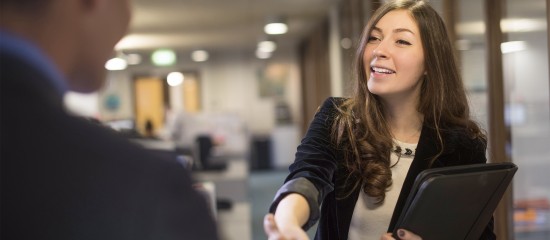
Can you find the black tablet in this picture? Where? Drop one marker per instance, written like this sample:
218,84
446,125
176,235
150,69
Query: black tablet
455,202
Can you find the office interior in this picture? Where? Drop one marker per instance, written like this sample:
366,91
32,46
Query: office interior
202,80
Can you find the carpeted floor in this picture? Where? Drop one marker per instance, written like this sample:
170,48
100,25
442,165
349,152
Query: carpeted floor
263,186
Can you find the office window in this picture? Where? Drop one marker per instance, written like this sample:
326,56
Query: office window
525,62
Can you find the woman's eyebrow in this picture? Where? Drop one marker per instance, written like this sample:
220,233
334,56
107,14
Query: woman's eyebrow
398,30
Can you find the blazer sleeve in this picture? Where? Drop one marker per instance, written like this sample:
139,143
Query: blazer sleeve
313,169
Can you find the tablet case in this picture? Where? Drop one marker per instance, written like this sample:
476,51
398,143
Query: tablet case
455,202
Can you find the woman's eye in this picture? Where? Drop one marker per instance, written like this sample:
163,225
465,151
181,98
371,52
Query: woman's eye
403,42
373,38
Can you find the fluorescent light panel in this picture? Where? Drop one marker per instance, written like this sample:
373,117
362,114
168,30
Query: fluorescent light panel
275,28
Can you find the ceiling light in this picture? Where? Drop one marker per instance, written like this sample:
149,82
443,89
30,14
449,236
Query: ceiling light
508,25
522,25
267,46
470,28
115,64
163,57
514,46
276,25
199,56
175,79
275,28
463,44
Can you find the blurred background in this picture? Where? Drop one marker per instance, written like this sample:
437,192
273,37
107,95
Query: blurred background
230,87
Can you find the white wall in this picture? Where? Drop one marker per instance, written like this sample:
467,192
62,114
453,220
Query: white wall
118,84
229,84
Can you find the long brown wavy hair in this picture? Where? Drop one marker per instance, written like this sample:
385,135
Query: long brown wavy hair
360,128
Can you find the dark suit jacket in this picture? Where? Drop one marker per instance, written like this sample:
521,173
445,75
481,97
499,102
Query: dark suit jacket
65,178
317,160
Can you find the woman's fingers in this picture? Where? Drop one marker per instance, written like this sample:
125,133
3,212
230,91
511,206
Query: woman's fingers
273,231
270,227
407,235
403,235
387,236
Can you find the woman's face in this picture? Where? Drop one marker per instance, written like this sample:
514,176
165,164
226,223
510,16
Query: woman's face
394,57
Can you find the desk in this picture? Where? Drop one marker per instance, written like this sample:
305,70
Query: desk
235,224
231,184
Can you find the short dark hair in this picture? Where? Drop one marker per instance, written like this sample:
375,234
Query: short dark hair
25,5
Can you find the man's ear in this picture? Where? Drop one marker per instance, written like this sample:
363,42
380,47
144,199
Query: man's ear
88,5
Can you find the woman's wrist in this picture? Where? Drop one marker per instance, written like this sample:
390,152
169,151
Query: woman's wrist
293,210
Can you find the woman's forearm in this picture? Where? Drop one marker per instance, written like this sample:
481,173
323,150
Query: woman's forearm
293,210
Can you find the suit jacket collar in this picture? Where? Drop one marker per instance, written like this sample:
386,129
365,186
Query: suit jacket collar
20,76
16,48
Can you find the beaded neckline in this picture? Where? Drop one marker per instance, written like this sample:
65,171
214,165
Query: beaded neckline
402,151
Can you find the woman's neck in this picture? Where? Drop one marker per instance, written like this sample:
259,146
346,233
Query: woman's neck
405,121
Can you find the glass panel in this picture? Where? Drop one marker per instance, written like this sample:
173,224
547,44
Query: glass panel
525,62
471,45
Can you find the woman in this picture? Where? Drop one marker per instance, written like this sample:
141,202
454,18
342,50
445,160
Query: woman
360,156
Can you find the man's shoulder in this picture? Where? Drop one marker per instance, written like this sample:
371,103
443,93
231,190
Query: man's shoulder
48,127
107,143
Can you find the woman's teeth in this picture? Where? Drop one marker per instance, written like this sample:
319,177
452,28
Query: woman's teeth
382,70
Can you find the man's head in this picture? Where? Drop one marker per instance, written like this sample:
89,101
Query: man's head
78,35
25,5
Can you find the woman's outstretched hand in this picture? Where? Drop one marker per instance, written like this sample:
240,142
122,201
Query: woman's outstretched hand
275,232
403,235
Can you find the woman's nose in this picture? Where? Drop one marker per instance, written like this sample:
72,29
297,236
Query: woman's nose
380,51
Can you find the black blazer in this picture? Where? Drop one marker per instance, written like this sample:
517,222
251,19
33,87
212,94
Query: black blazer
65,178
318,161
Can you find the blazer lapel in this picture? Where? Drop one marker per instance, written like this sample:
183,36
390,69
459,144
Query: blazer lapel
344,211
428,146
